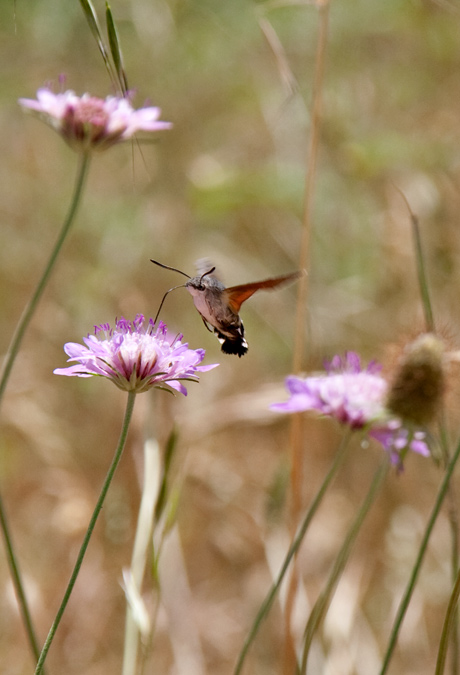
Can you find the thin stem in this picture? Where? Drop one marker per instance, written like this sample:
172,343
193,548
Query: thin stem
7,366
18,585
33,302
418,563
452,509
89,532
453,524
269,599
450,621
304,258
422,278
421,272
310,176
301,315
322,604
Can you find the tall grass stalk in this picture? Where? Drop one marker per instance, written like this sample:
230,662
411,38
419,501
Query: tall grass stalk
142,545
301,315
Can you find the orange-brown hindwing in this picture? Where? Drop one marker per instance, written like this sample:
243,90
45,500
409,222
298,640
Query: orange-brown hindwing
236,295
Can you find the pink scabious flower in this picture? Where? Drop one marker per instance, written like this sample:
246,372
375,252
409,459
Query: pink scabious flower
356,397
135,356
90,123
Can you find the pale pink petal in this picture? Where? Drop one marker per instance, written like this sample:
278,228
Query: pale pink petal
135,356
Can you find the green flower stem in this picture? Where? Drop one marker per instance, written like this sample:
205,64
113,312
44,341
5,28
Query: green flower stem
452,513
322,604
4,377
18,585
89,532
453,523
449,622
418,563
268,602
452,510
142,545
33,302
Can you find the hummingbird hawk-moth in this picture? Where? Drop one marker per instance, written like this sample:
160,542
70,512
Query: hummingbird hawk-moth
219,306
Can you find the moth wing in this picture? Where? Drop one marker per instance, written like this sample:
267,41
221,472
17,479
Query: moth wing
236,295
204,265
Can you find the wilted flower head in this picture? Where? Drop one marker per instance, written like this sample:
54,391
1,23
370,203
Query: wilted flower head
90,123
356,397
135,357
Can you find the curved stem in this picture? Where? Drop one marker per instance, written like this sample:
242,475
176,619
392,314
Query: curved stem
418,563
18,585
4,377
449,622
454,535
268,602
322,604
452,628
452,509
89,532
33,302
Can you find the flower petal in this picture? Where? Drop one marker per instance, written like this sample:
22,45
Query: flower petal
135,356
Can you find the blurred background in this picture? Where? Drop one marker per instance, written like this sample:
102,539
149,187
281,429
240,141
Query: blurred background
227,183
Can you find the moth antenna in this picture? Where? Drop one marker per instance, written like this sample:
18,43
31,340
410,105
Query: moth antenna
164,296
206,273
174,269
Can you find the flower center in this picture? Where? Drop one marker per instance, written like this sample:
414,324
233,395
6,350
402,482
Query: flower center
91,111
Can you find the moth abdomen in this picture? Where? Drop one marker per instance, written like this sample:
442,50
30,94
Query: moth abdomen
235,343
238,347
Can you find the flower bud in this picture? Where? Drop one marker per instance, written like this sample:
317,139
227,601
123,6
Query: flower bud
417,388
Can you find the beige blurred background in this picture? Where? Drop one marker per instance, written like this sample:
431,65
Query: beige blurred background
226,183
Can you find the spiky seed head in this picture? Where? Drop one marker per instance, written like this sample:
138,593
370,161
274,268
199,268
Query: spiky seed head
418,385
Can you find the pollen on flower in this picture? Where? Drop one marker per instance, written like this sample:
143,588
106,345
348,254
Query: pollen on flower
90,123
135,356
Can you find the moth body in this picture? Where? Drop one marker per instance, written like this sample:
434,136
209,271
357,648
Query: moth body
219,306
209,298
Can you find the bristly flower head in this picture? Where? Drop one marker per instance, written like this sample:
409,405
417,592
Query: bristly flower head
90,123
356,397
418,384
135,357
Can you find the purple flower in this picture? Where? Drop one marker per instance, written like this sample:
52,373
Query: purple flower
135,357
356,397
396,440
348,393
87,122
